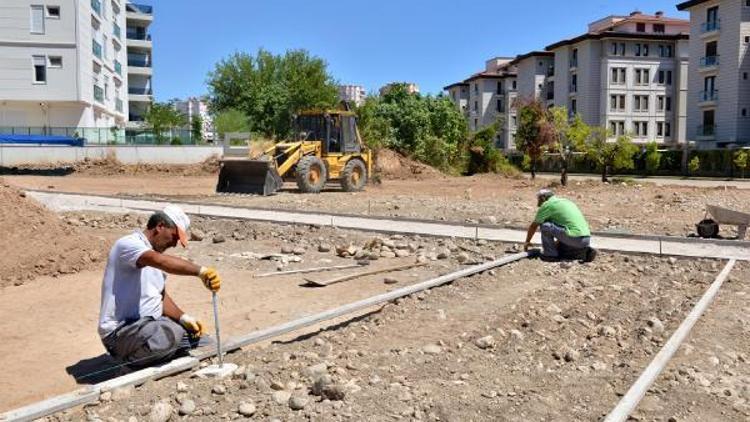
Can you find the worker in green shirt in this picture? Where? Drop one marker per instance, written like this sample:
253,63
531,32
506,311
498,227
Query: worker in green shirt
565,232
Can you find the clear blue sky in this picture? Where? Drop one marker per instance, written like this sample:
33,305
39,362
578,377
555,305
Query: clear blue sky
367,42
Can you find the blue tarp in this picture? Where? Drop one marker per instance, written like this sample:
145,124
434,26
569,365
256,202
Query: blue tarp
41,139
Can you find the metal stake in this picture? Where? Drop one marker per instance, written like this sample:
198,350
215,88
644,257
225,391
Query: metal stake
218,336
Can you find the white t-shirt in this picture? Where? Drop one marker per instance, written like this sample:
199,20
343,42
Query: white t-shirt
128,292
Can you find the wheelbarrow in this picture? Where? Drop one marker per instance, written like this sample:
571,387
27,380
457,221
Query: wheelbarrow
709,226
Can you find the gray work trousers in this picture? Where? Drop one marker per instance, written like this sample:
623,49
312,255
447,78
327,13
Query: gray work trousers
149,341
552,232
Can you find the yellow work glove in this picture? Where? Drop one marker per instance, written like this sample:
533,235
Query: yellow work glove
210,278
191,325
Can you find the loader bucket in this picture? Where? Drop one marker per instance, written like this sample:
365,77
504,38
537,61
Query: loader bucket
248,176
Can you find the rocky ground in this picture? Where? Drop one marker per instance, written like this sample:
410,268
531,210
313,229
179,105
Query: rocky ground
530,341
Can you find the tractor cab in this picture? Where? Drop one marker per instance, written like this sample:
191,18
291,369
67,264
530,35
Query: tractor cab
335,130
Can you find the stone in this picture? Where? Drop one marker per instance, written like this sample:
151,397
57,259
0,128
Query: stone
287,249
485,342
197,235
246,409
387,254
238,236
445,253
390,280
421,259
187,407
281,397
277,385
299,250
105,396
297,402
181,387
462,257
324,247
218,239
490,219
160,412
432,349
571,355
316,370
607,331
219,389
401,253
121,393
657,327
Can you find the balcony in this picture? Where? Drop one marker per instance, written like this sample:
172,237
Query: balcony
98,94
136,94
97,49
709,62
139,65
710,26
139,40
706,131
140,8
96,6
709,96
139,13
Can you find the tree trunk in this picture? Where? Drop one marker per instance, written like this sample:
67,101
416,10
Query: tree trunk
564,174
533,170
685,154
604,174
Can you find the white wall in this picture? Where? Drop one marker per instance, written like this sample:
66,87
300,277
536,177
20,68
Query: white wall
14,155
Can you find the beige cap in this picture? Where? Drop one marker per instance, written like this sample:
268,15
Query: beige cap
181,220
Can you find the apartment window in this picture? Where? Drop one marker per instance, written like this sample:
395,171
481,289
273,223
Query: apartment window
499,87
617,102
664,103
617,127
618,75
747,39
641,128
514,121
476,124
574,58
476,105
744,75
514,84
641,50
663,129
665,77
476,88
500,107
709,84
53,12
666,51
712,15
37,19
614,49
744,112
40,69
574,83
640,27
640,103
659,28
106,87
573,107
55,61
642,76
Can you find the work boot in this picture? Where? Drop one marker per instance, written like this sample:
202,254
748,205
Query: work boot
590,255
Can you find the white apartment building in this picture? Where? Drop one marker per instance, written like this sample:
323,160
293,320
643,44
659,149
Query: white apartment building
62,64
354,94
140,64
628,73
411,88
487,97
196,106
719,82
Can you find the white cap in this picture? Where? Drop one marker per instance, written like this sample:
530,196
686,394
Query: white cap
180,219
545,193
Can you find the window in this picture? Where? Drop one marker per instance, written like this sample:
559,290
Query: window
53,12
665,77
666,51
514,121
664,103
476,105
744,75
744,112
55,61
617,102
659,28
617,127
663,129
514,85
574,58
640,27
500,107
709,84
641,128
476,123
747,39
640,103
573,107
476,89
40,69
574,83
641,50
499,87
618,75
37,19
642,77
614,49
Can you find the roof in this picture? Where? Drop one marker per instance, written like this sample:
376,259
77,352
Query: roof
489,75
455,84
612,34
531,54
688,4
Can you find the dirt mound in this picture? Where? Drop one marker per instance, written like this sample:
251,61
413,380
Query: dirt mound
110,166
36,242
392,165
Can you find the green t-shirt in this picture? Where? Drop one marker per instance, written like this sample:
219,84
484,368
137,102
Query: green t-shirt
564,213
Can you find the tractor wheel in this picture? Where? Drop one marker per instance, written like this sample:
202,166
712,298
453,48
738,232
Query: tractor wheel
311,174
707,228
354,176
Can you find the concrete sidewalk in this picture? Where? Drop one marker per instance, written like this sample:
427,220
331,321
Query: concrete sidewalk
656,180
661,245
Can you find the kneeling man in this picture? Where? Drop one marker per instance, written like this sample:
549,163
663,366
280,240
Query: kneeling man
565,232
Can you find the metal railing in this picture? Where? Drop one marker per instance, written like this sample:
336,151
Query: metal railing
98,94
97,49
139,61
96,5
137,36
707,130
139,91
709,61
140,8
710,26
711,95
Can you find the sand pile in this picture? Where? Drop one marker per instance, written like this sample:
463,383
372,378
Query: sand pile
392,165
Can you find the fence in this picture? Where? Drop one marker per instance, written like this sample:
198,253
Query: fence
113,136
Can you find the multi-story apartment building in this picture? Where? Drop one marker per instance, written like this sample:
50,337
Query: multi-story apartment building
628,73
140,64
354,94
193,107
62,64
411,87
719,82
487,97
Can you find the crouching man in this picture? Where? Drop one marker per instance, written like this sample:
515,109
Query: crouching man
565,232
139,323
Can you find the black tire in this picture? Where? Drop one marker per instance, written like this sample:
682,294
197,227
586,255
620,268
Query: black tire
311,174
707,228
354,176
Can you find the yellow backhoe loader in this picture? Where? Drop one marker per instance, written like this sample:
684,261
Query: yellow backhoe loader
328,148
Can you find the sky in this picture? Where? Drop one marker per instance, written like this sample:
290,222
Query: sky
370,43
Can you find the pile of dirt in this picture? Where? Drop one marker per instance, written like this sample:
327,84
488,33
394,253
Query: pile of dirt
390,164
36,242
111,166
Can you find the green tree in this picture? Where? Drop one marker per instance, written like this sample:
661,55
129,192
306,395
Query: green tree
535,133
231,120
609,156
196,128
653,158
569,136
161,117
694,165
269,89
741,161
